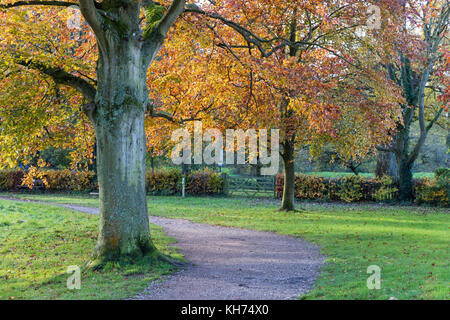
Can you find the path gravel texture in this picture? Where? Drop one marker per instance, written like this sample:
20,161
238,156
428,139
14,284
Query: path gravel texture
236,264
233,264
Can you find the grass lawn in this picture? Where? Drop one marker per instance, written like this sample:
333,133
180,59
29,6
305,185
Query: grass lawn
409,244
38,243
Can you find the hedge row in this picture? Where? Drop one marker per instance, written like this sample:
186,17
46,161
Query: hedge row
165,182
52,180
169,182
307,187
10,179
434,191
354,188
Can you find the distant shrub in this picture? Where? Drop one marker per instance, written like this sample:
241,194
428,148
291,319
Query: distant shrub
68,180
53,180
10,179
279,181
205,182
215,183
307,187
386,190
164,182
349,189
442,173
344,188
310,187
168,182
433,191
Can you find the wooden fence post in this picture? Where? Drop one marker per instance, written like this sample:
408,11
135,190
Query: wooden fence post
183,186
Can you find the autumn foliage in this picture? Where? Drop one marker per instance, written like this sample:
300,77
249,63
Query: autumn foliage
301,68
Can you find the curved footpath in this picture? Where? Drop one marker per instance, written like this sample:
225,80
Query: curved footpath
233,264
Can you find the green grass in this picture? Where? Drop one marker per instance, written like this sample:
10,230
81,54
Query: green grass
78,199
409,244
39,242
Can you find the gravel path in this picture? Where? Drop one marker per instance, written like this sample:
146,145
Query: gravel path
236,264
233,264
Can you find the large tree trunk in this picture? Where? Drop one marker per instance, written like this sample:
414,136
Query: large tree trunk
124,226
287,202
117,102
406,183
414,85
387,165
121,148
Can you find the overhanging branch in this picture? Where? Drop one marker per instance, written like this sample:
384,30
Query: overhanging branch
170,17
63,77
38,3
92,17
168,116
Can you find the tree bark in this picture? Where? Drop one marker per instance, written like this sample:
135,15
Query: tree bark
124,226
448,141
287,202
406,183
386,165
121,149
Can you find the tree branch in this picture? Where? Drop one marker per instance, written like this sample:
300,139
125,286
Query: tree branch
155,37
384,149
251,38
168,116
436,118
92,17
175,9
61,76
38,3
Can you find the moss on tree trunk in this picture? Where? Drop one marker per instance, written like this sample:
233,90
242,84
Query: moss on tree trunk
121,149
124,226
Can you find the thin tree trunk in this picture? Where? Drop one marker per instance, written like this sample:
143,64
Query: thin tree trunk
447,162
287,202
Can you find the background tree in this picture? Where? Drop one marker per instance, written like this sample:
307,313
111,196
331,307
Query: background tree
420,71
300,68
